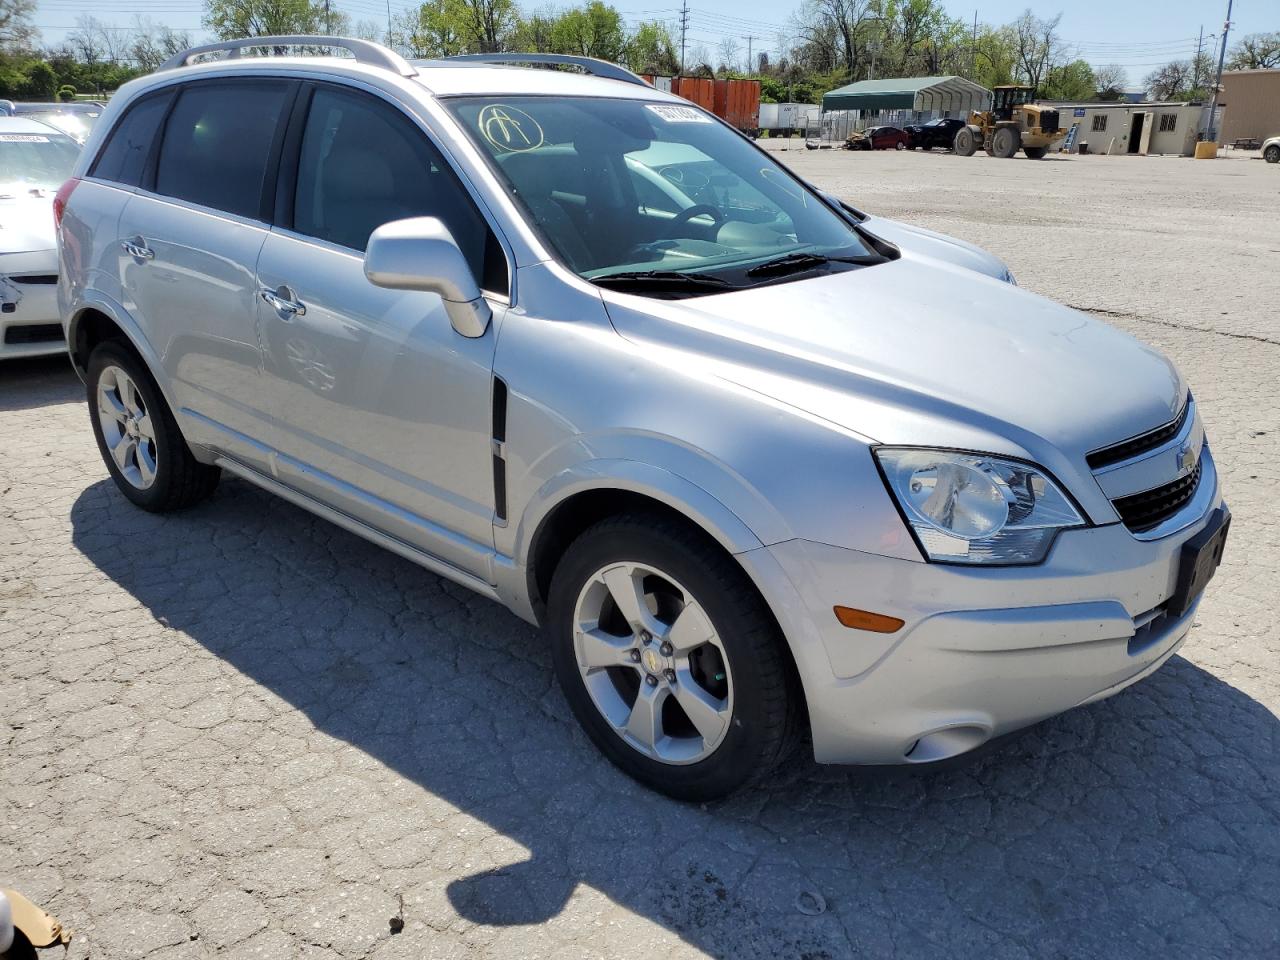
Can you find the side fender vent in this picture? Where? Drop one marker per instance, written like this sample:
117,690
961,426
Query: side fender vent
499,450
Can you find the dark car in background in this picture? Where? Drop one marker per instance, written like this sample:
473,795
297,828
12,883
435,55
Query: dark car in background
936,133
879,138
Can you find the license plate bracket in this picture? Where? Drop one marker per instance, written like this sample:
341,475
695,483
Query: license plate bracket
1198,562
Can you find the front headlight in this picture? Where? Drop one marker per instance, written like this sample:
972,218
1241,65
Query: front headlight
972,508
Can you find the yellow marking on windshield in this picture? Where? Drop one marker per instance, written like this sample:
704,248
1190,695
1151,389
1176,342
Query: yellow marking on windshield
510,129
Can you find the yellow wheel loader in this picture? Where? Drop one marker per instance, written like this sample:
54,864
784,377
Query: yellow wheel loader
1012,122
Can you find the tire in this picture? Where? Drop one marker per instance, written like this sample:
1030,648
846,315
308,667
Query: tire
900,146
1272,153
1035,153
156,470
739,679
966,144
1004,143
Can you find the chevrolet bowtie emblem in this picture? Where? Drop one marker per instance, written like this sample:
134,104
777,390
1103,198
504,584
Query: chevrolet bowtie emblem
1186,458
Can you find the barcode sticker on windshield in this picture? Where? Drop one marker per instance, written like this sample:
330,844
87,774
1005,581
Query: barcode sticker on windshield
22,138
676,114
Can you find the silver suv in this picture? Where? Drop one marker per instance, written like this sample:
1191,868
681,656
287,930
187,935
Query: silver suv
755,461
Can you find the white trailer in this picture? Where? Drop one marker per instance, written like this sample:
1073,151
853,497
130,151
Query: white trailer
780,117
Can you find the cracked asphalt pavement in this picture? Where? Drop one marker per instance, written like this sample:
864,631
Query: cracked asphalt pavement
241,732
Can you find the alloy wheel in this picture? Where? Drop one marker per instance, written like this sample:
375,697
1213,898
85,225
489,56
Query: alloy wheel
127,427
652,663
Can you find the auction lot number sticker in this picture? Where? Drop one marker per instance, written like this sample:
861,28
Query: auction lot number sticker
673,113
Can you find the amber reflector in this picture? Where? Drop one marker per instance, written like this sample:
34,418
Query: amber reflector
866,620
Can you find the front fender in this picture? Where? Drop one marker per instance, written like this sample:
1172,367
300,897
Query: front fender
620,475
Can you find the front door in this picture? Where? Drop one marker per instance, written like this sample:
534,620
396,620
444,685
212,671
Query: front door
382,410
189,245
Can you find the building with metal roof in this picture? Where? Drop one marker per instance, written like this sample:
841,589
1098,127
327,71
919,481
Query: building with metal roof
953,96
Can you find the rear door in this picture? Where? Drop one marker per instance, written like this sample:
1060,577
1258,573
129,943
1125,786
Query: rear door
189,245
380,408
90,249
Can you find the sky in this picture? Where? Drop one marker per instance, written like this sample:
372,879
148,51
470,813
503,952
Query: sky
1137,34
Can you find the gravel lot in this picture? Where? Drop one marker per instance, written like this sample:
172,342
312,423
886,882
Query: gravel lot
242,732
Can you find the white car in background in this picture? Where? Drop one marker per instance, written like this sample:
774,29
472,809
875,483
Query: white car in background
35,159
1271,150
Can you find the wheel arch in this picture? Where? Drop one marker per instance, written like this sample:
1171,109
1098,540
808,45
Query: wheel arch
577,498
98,320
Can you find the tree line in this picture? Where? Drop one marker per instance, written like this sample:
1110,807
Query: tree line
824,44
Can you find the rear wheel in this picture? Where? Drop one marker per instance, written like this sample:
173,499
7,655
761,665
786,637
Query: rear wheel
900,146
1272,153
1004,143
1035,153
138,438
966,144
669,658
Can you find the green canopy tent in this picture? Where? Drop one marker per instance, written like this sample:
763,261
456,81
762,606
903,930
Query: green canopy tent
939,95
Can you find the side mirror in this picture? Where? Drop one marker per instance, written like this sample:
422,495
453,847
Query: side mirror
420,254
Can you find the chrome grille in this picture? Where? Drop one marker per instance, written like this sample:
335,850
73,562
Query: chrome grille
1144,511
1140,444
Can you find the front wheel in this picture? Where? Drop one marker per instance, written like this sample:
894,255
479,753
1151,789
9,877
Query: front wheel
966,144
1272,153
1004,143
669,658
900,146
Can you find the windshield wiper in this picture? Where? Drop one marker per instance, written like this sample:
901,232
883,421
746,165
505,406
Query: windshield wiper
795,262
664,280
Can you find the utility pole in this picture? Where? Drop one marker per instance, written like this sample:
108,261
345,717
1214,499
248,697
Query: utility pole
1195,67
328,23
1222,58
973,48
388,23
684,29
751,65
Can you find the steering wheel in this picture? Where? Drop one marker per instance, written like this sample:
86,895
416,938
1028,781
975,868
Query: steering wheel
697,210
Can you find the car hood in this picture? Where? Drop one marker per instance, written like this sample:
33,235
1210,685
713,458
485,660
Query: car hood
937,246
921,353
26,222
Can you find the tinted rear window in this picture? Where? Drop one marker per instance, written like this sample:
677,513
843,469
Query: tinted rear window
217,144
124,157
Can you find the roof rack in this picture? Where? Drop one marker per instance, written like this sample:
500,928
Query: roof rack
364,51
597,68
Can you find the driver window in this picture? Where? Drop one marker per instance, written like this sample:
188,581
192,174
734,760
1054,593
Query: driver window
363,164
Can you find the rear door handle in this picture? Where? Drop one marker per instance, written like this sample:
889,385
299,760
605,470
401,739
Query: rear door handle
283,300
137,248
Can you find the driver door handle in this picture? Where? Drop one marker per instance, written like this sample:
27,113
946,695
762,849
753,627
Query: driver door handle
282,298
137,248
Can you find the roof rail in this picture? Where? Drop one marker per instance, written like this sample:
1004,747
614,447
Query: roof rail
597,68
364,51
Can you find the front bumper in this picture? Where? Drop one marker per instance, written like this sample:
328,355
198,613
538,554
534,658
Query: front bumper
982,652
29,322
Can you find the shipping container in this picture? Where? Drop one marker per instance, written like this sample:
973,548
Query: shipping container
735,101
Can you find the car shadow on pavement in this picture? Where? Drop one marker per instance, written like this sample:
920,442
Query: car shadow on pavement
38,382
1140,825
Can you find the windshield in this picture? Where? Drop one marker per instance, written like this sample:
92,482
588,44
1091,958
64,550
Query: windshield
619,186
32,161
77,125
